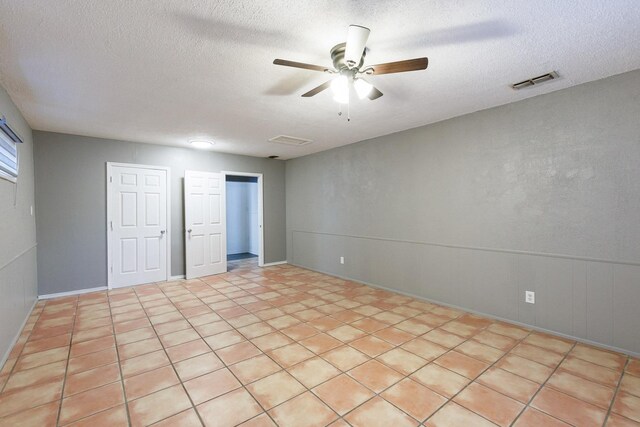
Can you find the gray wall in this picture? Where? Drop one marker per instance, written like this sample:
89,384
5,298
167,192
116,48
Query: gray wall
18,278
71,203
542,195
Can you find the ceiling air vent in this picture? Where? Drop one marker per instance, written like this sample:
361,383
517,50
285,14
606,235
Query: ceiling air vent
535,80
290,140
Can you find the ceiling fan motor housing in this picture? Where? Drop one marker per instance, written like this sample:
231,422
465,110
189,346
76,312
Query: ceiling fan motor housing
337,56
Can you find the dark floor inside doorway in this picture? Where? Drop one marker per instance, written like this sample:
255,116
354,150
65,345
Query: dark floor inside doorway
243,255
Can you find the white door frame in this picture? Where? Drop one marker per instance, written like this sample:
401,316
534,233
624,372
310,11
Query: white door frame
260,209
110,166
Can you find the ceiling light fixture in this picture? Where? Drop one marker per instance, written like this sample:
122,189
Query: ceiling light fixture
349,66
363,88
340,89
201,143
340,86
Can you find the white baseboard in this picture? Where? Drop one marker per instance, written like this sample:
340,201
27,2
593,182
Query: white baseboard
480,313
6,354
69,293
178,277
269,264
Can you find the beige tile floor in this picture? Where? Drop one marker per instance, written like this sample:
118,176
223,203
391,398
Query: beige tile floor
290,347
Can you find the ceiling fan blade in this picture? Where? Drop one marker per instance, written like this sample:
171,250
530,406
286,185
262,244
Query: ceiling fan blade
357,37
316,90
400,66
294,64
374,94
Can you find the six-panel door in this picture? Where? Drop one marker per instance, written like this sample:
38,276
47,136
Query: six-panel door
205,224
138,228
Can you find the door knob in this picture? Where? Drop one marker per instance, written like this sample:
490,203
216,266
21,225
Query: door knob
189,231
162,233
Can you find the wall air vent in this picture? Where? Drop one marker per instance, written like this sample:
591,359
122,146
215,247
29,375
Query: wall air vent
535,80
290,140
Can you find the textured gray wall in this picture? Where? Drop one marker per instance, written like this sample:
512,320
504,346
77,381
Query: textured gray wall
541,195
18,278
71,203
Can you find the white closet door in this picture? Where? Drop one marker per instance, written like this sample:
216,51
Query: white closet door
138,225
205,224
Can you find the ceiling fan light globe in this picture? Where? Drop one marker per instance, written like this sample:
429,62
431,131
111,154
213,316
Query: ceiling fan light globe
363,88
340,89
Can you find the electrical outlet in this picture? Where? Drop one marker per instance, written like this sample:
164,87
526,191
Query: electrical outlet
341,260
530,297
31,210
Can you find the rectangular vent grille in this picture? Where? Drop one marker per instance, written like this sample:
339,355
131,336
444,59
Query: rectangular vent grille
290,140
535,80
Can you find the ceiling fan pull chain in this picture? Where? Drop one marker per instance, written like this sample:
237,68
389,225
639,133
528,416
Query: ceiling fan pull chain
349,109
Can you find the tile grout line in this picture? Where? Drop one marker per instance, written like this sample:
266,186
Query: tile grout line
616,391
344,323
286,370
66,368
115,343
473,380
225,366
96,367
302,321
378,394
193,405
528,404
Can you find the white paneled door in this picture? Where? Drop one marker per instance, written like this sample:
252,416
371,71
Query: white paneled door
137,224
205,224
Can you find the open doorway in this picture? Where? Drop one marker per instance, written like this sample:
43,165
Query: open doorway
244,216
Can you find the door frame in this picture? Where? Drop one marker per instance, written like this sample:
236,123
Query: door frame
109,180
260,208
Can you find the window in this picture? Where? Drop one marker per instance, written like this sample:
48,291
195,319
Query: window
8,152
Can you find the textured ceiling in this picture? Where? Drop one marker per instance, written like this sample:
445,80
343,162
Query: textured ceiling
166,71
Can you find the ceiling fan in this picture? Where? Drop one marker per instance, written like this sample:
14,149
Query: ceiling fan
348,63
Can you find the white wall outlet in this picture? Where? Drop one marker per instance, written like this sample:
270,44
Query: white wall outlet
31,210
530,297
341,260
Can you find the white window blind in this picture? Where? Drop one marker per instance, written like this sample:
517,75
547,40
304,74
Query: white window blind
8,152
8,158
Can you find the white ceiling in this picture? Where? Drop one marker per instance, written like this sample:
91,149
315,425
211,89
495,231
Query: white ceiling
166,71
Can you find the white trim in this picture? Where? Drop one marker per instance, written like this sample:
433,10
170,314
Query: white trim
4,175
260,208
178,277
110,166
15,339
70,293
475,248
270,264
